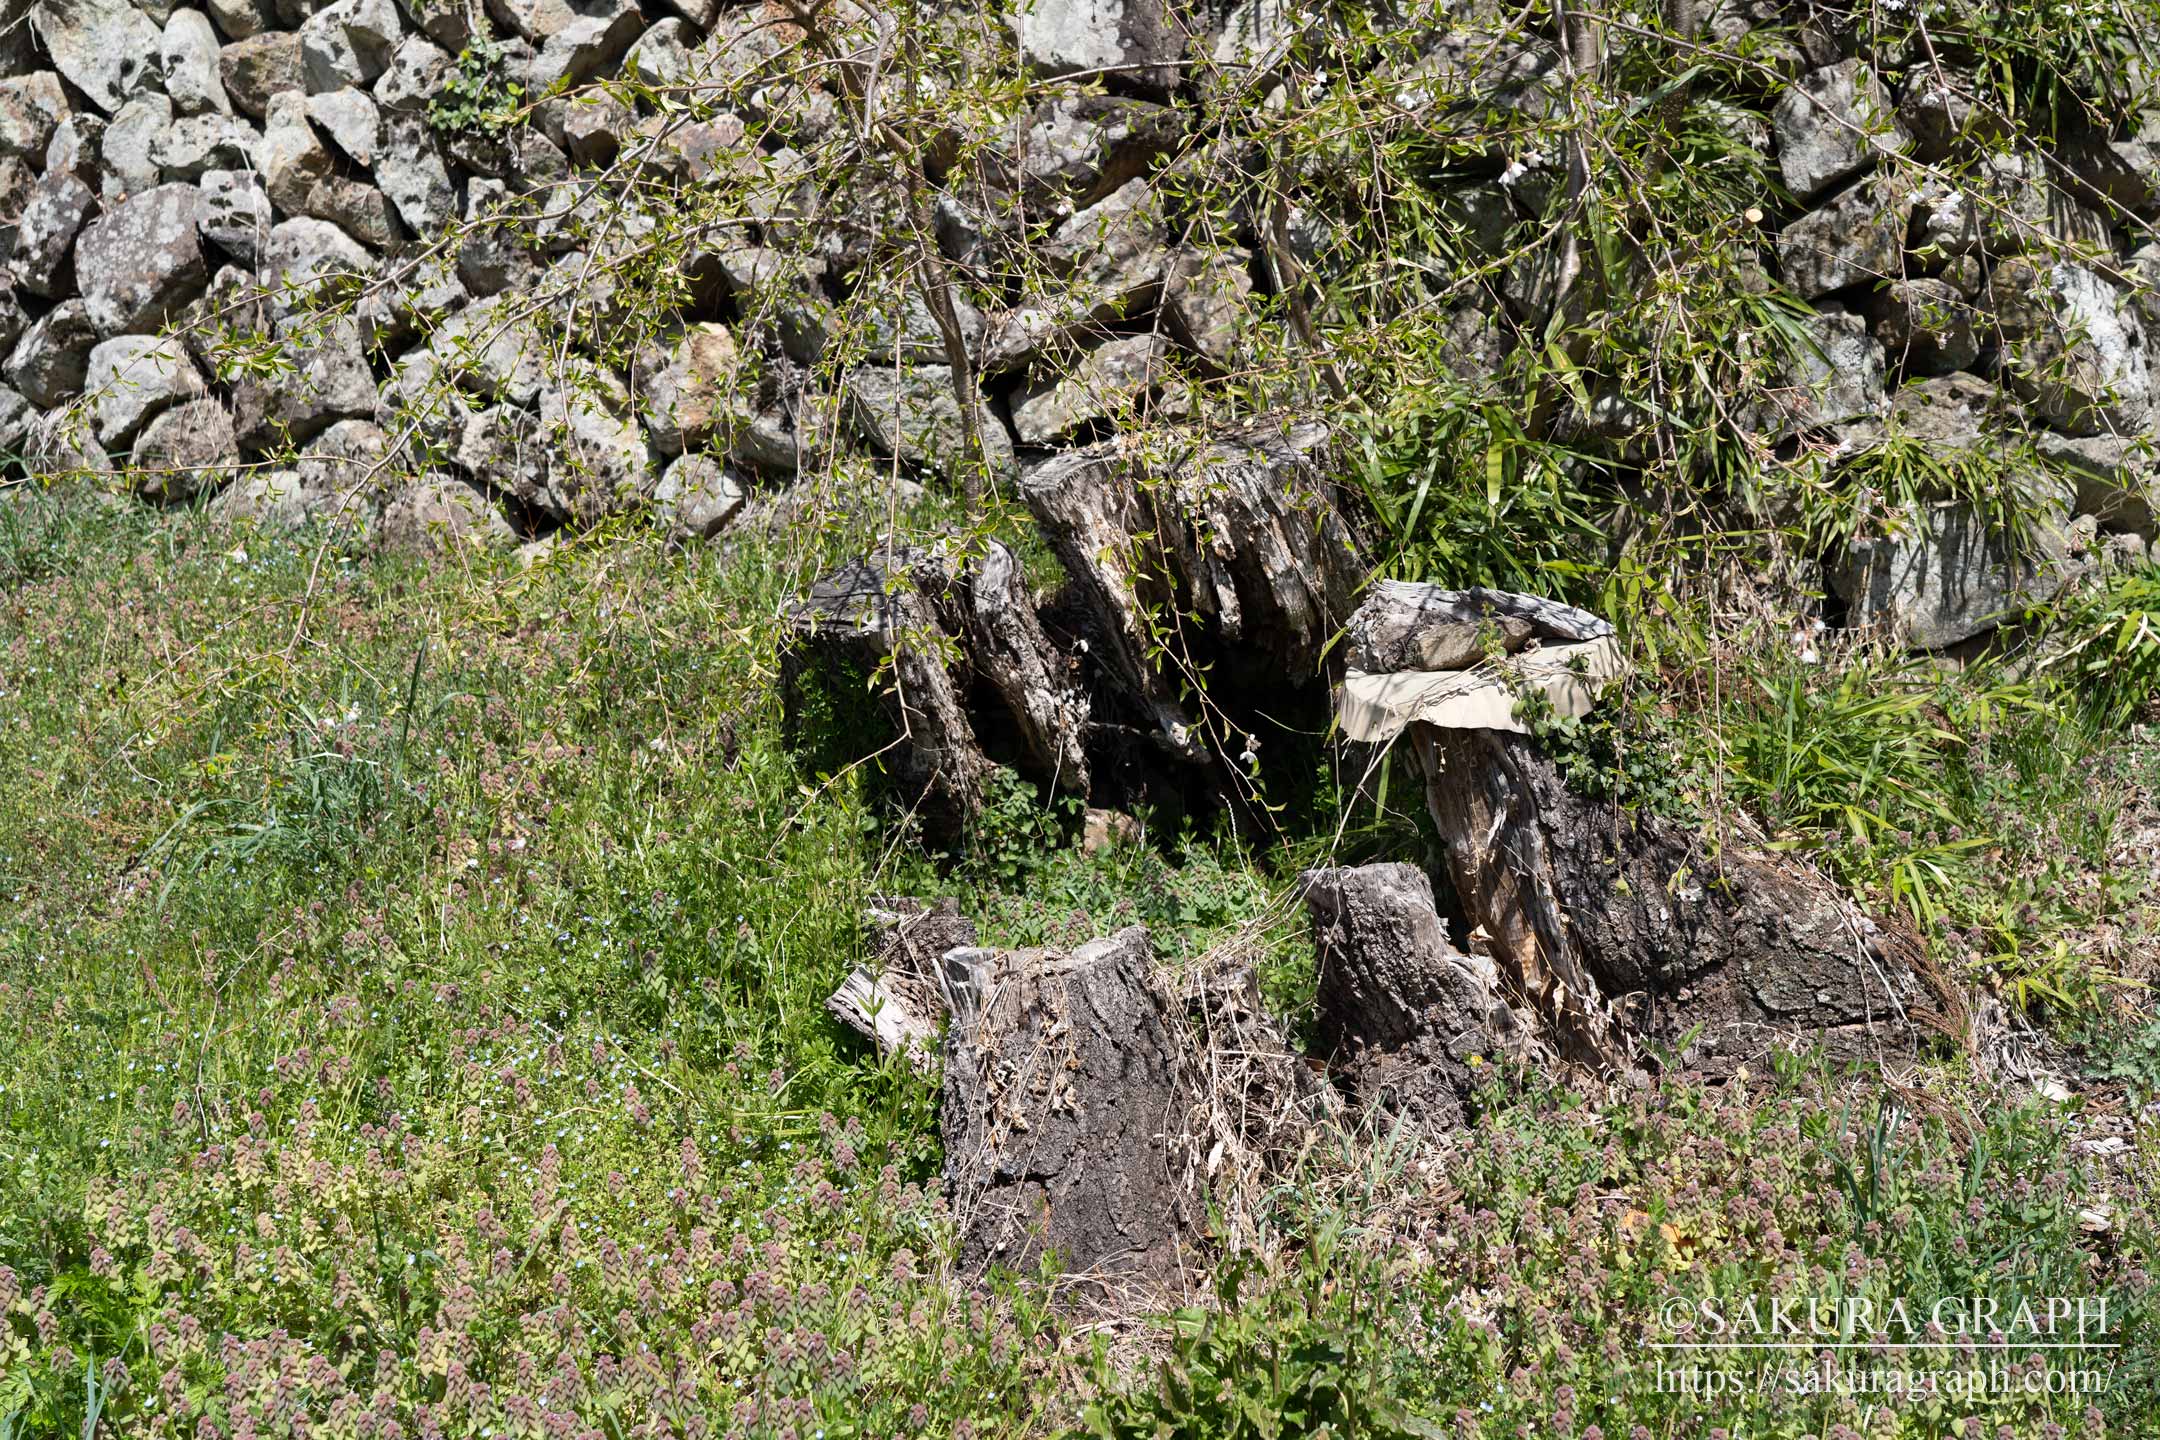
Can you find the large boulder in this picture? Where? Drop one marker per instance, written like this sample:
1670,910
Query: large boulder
437,514
697,497
132,378
1832,124
31,109
348,43
108,49
1106,383
1948,574
142,262
325,380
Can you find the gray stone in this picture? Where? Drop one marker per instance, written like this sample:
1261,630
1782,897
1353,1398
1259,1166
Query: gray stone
1856,239
412,175
16,418
421,406
691,393
305,258
51,359
345,465
414,79
1204,301
1137,42
449,23
1078,148
1836,376
351,121
190,56
1946,577
410,303
590,128
1926,326
260,68
913,414
492,349
901,330
184,452
1106,383
58,206
31,109
270,499
304,179
492,256
235,214
1938,111
437,515
2072,345
141,263
348,44
500,447
132,378
130,145
696,497
76,142
2117,478
584,48
1831,124
326,380
598,460
108,49
1114,253
239,19
660,58
200,144
13,319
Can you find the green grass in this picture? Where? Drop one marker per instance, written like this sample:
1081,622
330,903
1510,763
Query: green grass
416,1013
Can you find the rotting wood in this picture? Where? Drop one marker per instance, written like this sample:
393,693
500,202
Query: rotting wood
1066,1111
895,1002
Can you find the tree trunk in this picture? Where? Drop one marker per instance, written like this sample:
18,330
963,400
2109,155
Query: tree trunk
1067,1110
1404,1015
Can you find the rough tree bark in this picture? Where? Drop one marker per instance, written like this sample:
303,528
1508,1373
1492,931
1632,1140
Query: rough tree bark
895,1001
940,623
1404,1016
1066,1110
1623,927
1238,530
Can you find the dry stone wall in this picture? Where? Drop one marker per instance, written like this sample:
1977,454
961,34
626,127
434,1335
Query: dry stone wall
390,262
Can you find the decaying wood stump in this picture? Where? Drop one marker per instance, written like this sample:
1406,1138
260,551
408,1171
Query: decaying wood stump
1238,529
1406,1017
934,624
1623,927
895,1001
1066,1110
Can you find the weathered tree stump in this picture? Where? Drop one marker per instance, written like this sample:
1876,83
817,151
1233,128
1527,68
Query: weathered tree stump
1621,927
1406,1017
1066,1110
895,1001
934,625
1238,530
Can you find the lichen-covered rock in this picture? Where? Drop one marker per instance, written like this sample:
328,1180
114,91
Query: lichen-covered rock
697,497
348,43
1111,380
260,68
190,53
2072,345
327,380
437,514
305,259
239,19
141,263
271,499
108,49
913,414
1836,376
1858,238
1139,42
201,143
1832,124
2117,478
598,461
1949,575
55,213
492,349
1205,296
414,78
1076,149
53,355
1114,253
132,378
1926,327
692,391
31,109
235,214
587,46
130,145
184,452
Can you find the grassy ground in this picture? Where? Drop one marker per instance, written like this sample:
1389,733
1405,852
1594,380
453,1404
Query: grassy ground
411,982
